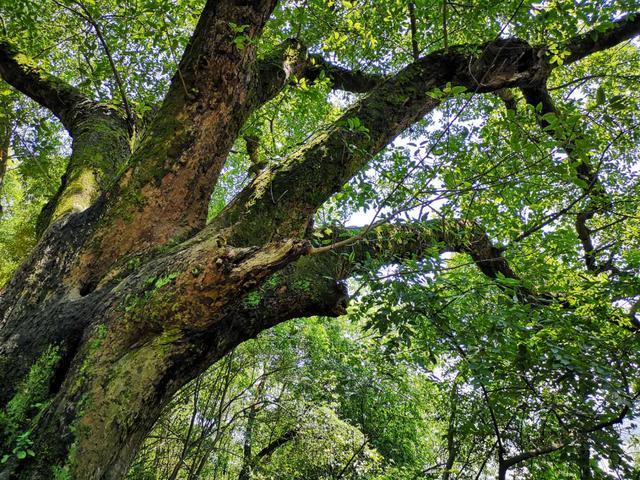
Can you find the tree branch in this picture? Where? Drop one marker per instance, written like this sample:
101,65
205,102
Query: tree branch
555,446
566,136
283,198
419,240
596,40
291,59
177,164
536,452
355,81
277,443
100,135
64,101
88,17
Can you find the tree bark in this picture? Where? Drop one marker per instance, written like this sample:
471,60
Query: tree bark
128,295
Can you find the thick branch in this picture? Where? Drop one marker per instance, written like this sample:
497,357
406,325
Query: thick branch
281,200
595,40
100,135
419,240
63,100
312,285
174,170
291,60
390,243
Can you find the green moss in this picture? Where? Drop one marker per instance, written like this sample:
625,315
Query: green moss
96,341
165,280
79,193
94,344
142,303
134,264
131,199
302,285
273,281
252,299
26,406
32,392
119,393
100,147
60,473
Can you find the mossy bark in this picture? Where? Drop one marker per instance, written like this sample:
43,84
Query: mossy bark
137,305
136,296
100,148
135,343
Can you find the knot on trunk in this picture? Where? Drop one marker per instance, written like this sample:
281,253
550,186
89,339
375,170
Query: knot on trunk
504,62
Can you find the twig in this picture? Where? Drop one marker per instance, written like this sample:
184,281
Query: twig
87,17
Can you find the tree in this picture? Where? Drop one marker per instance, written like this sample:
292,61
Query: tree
304,400
130,292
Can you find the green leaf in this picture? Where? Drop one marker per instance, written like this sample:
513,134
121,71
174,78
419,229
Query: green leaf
600,95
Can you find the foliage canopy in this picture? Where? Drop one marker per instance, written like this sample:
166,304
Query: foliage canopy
489,239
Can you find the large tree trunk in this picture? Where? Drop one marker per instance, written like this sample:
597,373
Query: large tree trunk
121,352
128,295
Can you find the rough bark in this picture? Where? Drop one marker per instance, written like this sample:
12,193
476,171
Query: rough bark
128,295
100,136
174,170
